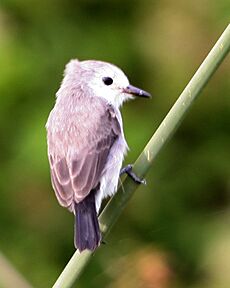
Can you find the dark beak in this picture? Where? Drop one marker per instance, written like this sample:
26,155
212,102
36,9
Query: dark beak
136,91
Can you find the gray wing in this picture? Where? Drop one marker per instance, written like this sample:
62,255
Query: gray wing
78,171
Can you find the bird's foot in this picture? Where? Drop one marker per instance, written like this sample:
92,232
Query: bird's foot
128,170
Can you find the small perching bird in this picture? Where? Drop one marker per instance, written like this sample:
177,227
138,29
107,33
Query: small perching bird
86,143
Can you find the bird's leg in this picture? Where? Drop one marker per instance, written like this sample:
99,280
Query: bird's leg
128,170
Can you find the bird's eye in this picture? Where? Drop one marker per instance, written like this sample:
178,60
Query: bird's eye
107,80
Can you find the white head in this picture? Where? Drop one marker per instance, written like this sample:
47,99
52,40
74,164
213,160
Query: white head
103,80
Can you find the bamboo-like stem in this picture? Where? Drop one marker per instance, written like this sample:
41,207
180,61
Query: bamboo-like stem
9,276
168,126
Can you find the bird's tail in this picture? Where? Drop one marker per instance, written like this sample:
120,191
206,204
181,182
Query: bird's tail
87,233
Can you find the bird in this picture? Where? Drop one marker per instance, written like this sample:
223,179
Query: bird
86,142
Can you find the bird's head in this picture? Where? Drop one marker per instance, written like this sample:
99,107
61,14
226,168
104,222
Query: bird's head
105,80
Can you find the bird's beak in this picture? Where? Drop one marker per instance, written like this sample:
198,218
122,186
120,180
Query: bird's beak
130,89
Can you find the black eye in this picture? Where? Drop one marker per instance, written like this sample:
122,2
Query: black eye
107,80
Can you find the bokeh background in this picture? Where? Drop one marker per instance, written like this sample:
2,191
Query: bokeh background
175,232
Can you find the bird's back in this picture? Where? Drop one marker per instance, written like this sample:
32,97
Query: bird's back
79,140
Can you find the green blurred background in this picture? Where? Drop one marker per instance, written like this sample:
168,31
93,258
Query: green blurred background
175,232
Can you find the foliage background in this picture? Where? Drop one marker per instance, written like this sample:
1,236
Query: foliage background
175,232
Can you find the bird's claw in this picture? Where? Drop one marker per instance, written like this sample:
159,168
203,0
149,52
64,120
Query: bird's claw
128,170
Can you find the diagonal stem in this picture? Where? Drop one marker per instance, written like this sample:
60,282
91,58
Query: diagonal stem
9,276
168,126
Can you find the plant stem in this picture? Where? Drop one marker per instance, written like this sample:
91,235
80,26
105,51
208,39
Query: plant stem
9,276
168,126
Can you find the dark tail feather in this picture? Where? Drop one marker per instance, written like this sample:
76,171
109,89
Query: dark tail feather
87,231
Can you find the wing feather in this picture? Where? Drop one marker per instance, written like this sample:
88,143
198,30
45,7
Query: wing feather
76,166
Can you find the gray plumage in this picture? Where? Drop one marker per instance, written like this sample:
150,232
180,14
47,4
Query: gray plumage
86,143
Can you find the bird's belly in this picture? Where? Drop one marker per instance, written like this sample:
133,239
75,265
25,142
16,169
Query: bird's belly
111,172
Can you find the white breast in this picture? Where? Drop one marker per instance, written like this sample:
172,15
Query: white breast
111,172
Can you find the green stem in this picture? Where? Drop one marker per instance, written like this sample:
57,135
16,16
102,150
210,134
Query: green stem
116,205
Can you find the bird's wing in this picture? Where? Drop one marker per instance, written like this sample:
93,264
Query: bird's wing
78,171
